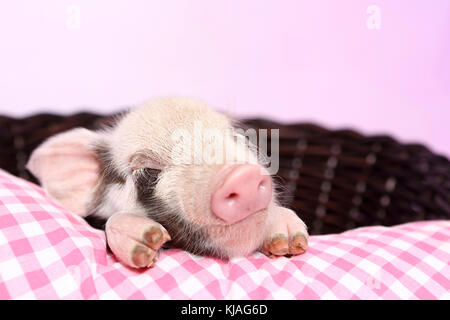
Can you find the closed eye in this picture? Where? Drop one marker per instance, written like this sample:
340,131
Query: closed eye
146,178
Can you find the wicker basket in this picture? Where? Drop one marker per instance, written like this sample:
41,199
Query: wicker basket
335,179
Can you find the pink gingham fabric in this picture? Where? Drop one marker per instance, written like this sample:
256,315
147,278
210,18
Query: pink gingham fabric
48,253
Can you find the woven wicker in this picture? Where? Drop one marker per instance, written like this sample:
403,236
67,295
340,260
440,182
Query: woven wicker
335,179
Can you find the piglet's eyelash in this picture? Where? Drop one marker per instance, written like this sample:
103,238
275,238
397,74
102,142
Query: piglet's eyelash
146,176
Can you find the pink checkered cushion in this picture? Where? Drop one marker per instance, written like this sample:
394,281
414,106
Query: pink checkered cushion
46,252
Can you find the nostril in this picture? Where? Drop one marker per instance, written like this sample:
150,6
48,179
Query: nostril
232,196
262,185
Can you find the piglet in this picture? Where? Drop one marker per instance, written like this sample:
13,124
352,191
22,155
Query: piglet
154,178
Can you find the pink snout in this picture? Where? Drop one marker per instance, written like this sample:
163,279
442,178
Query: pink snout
244,191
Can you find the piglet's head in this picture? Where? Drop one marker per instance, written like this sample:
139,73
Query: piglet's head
174,160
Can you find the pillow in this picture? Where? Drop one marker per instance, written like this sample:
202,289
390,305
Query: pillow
48,253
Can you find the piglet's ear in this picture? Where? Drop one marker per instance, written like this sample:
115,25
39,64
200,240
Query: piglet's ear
68,168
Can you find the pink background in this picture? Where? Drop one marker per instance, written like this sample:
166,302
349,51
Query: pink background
288,60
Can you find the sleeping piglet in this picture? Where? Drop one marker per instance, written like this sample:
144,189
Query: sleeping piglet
151,180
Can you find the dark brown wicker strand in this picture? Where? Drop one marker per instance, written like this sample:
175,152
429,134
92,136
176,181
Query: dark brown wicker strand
334,179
